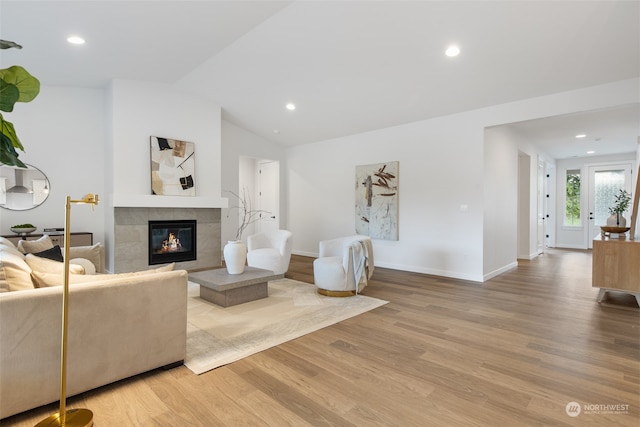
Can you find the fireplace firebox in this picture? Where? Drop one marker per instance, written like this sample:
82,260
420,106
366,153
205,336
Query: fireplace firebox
172,241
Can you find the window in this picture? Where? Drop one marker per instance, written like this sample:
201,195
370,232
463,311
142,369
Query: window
572,198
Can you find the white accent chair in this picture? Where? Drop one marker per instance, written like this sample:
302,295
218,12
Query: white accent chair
270,250
344,265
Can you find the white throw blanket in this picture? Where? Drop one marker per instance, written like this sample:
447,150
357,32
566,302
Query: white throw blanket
362,253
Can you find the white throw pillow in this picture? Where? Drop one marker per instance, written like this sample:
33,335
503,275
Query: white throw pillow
5,241
43,280
45,265
88,266
92,253
32,246
15,274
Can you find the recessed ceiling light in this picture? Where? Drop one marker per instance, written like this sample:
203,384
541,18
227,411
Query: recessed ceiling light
452,51
590,152
582,135
290,106
75,40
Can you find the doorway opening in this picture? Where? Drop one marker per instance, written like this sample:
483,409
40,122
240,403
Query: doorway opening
261,178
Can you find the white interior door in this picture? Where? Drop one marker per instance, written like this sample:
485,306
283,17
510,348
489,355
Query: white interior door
268,186
542,191
605,181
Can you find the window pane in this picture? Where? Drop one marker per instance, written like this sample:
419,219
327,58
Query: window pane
607,185
572,197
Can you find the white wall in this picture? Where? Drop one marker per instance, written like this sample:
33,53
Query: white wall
140,110
240,149
63,133
508,143
501,160
443,165
435,179
524,206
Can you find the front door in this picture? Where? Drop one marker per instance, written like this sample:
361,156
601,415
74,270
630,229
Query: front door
605,181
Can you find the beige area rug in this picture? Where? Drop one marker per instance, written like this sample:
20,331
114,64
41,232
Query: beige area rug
217,336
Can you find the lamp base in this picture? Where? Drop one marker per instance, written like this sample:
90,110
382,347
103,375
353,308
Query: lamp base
73,418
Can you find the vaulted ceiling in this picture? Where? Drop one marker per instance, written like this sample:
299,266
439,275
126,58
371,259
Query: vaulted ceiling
349,66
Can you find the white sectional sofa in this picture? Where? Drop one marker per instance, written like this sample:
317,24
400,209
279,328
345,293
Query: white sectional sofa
119,325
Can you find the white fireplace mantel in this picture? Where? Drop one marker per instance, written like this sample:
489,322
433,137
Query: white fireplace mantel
155,201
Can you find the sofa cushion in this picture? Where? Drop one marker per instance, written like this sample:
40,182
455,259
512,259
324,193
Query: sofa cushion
54,254
43,279
31,246
15,273
44,265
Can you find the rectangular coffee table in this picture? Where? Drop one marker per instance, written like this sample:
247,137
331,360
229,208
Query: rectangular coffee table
224,289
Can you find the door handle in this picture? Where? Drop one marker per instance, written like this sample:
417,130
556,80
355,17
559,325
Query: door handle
273,217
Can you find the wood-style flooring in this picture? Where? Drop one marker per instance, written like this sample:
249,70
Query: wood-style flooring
513,351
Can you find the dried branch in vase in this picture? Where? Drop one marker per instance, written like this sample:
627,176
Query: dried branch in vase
247,215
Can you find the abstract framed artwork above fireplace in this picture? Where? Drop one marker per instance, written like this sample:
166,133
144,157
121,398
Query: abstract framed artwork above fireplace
131,236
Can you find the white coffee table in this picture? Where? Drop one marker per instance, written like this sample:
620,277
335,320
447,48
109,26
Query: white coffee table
224,289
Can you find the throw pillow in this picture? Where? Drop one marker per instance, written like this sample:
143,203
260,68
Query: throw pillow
44,265
92,253
54,254
14,273
168,267
12,249
5,241
31,246
88,266
44,279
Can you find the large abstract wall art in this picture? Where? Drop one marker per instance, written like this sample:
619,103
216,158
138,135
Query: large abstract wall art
172,167
377,200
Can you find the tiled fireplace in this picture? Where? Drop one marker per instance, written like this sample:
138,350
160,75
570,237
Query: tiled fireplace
131,237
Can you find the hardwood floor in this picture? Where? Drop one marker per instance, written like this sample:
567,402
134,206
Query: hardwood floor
513,351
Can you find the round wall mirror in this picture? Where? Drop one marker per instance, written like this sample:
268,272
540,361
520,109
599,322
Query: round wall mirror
22,189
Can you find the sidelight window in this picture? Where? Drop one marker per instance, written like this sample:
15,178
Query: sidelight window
572,216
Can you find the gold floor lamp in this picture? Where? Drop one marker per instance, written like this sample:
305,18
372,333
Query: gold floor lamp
72,417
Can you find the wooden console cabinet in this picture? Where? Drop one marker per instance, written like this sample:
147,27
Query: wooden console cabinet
77,239
616,266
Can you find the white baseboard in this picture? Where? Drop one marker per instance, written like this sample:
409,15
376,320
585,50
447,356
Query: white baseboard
501,270
561,246
431,271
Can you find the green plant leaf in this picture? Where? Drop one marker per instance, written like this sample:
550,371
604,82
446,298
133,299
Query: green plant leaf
7,129
8,154
9,94
28,85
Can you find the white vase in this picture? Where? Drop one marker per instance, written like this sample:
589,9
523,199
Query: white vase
616,221
235,256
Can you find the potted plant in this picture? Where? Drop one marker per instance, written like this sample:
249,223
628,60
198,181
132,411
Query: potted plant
621,204
235,251
23,229
16,85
